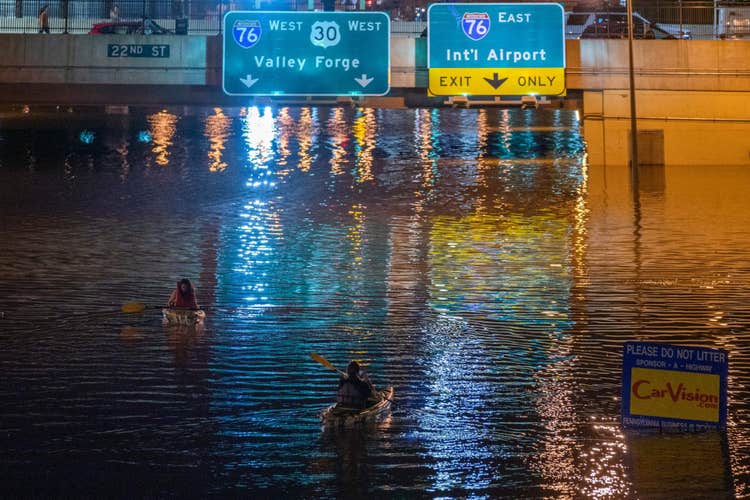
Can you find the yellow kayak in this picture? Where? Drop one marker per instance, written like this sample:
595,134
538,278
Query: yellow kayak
174,316
339,416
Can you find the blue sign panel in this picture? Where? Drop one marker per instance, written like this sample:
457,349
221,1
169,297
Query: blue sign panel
667,385
306,53
500,49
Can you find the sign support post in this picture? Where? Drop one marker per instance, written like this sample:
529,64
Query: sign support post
633,116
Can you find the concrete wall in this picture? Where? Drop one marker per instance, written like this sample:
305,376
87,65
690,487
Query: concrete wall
667,71
592,64
695,94
71,59
408,62
669,105
698,127
713,65
194,60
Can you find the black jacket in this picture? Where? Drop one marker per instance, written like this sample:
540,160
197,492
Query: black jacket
354,392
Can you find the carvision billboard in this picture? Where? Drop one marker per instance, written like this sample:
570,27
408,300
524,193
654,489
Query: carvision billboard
670,386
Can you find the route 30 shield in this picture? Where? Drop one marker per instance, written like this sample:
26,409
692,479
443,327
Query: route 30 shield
325,34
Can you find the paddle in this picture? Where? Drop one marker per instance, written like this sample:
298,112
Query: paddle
133,307
323,361
139,307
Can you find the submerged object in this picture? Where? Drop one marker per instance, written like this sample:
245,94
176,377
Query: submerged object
176,316
342,416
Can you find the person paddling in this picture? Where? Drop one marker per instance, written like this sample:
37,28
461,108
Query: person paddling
355,388
183,296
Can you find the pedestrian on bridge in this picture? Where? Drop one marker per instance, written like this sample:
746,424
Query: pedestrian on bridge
43,18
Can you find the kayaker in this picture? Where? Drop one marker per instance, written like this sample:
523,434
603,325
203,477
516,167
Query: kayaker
355,388
183,295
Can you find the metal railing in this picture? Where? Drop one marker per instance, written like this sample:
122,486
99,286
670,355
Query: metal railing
80,16
204,17
696,22
696,18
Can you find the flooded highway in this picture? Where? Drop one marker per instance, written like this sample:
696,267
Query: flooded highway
473,259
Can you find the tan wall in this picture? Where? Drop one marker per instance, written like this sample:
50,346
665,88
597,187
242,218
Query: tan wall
669,105
700,128
715,65
697,93
685,142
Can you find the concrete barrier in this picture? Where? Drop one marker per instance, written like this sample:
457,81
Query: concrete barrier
194,65
112,59
703,65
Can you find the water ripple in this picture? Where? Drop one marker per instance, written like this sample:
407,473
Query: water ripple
470,258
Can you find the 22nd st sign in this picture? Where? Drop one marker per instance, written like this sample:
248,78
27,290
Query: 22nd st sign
306,53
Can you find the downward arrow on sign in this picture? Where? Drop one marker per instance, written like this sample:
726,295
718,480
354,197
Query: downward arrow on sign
363,80
495,81
249,81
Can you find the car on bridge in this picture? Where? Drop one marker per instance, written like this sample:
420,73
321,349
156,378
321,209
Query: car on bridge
615,25
143,27
734,23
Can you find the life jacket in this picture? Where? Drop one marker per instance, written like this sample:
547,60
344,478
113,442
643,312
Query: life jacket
187,302
350,394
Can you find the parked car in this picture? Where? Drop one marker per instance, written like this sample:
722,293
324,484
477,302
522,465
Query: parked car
144,27
615,25
619,29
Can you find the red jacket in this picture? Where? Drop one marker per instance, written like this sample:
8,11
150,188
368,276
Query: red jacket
178,300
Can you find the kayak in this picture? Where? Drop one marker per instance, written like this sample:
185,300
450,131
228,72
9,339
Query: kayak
182,316
341,416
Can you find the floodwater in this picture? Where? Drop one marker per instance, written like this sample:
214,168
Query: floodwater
473,259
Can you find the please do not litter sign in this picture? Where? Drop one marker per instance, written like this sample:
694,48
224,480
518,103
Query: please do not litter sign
666,385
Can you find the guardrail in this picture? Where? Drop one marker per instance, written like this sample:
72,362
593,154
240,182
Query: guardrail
204,17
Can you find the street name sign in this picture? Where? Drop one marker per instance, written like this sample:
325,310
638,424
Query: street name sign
496,49
137,50
674,386
306,53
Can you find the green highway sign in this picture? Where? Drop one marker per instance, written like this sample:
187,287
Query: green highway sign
496,49
306,53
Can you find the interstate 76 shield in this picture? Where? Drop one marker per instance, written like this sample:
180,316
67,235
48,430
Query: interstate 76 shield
476,25
246,33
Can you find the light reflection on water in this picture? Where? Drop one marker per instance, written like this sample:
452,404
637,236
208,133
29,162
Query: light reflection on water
217,132
472,259
163,127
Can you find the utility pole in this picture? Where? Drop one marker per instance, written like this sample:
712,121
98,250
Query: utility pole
633,120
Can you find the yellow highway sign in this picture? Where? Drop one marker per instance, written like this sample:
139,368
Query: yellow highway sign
500,81
496,49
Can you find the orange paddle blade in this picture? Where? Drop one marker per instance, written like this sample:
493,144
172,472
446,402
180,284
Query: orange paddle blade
133,307
323,361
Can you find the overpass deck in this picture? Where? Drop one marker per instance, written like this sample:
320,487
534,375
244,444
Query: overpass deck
69,69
